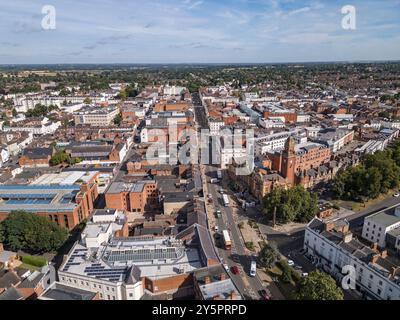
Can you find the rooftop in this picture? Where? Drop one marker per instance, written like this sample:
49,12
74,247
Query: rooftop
33,198
383,219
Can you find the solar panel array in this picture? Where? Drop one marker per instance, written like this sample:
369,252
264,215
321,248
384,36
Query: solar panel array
16,198
144,254
78,253
100,272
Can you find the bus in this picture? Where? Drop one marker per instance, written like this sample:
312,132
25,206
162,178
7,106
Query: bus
253,269
226,200
227,240
219,174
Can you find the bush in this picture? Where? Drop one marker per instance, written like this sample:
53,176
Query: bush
250,245
34,261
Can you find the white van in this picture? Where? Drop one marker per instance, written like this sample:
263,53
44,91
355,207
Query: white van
253,269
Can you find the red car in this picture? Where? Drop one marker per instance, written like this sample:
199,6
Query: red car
264,295
235,270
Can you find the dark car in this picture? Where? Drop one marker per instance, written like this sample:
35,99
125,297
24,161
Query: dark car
235,270
264,295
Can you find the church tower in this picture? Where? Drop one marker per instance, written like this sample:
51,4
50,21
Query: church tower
289,161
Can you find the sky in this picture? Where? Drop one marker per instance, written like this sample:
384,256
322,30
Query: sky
197,31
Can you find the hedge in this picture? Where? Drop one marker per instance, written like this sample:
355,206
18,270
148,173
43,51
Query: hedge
34,261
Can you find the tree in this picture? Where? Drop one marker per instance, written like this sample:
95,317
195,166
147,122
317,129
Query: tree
60,157
319,286
87,100
377,174
26,231
295,204
118,119
268,255
122,95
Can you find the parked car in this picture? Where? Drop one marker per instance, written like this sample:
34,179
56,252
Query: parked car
396,195
304,274
226,267
290,263
298,267
264,294
216,228
235,270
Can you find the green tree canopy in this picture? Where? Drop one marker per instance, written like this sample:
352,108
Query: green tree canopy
27,231
293,205
319,286
377,174
268,255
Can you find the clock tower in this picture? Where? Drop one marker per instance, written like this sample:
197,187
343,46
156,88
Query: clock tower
289,161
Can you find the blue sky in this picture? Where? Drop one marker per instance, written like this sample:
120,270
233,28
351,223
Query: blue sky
189,31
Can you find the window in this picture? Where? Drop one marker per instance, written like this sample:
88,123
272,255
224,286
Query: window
371,276
131,295
379,292
380,283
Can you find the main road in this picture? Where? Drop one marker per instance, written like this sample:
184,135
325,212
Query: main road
238,256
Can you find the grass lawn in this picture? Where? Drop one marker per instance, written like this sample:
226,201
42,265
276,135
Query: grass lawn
29,267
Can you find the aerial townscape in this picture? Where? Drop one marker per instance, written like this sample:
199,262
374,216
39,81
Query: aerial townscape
194,167
88,212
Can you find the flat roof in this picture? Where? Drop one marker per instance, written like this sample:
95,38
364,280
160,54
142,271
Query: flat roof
383,219
35,198
155,257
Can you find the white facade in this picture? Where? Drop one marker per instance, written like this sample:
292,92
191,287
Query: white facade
271,124
271,143
303,118
4,156
101,117
44,128
215,126
371,279
390,124
378,225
